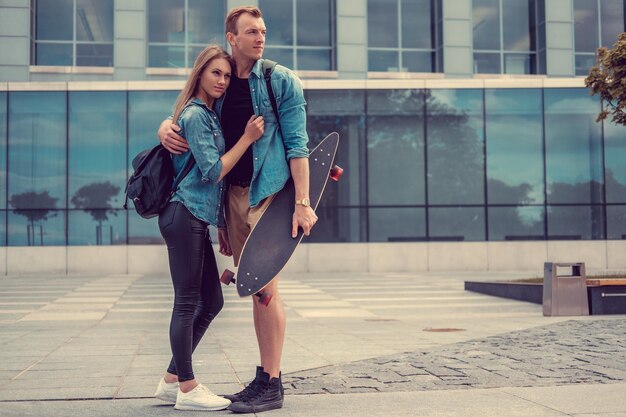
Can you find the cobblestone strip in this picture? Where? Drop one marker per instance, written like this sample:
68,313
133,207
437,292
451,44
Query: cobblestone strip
572,352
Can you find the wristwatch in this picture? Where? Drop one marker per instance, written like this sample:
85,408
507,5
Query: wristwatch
304,202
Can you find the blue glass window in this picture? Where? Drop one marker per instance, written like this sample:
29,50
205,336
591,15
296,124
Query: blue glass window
73,32
397,224
401,35
514,155
36,227
97,226
516,223
146,110
339,224
3,167
455,146
615,162
616,222
179,29
451,224
395,144
97,159
575,222
505,36
300,34
573,146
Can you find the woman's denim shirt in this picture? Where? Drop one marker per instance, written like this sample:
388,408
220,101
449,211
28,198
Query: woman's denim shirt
272,151
200,190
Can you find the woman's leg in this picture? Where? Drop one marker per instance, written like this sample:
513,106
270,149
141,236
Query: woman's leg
185,237
210,304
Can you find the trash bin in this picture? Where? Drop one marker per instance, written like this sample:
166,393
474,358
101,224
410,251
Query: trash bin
565,294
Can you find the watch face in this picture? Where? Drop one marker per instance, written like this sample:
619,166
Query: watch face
306,202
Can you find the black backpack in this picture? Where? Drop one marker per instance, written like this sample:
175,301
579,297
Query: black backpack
152,184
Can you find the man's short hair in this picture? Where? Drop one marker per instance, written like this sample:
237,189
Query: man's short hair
233,17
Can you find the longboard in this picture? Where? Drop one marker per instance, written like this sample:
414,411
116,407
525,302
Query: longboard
269,246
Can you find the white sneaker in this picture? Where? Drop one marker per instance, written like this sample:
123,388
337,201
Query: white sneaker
167,391
200,398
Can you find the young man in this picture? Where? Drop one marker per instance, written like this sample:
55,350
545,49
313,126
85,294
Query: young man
280,153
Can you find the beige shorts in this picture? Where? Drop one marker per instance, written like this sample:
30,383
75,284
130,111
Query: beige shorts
240,217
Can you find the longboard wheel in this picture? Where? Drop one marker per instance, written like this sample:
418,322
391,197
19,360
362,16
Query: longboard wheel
336,172
264,298
227,277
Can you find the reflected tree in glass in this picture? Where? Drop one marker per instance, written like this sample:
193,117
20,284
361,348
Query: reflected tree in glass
95,199
28,204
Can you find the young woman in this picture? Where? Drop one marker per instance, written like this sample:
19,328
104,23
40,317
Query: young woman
196,204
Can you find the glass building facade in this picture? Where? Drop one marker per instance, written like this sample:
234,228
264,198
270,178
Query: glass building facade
490,164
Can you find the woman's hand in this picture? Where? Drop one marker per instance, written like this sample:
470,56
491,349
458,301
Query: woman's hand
254,129
170,139
224,243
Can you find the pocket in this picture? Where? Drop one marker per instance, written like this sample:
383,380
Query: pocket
166,217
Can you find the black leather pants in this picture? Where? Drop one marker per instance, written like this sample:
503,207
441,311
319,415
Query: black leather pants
197,291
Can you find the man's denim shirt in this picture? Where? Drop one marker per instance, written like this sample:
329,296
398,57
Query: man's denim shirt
200,190
272,152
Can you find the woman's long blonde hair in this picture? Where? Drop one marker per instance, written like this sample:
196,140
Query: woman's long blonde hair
204,58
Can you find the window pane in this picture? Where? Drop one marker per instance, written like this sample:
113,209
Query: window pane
3,228
518,24
575,223
143,231
36,228
584,63
395,142
417,25
616,222
573,146
166,56
3,151
586,25
397,224
339,224
383,61
456,224
455,147
96,227
37,147
314,23
97,149
516,223
94,20
486,19
612,21
318,60
382,24
284,56
92,55
418,61
194,51
53,54
487,63
278,17
206,21
514,156
615,162
520,64
166,21
54,20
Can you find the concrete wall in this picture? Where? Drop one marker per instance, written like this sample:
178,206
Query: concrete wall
330,257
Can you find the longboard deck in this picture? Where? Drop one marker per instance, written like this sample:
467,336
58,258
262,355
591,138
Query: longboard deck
270,245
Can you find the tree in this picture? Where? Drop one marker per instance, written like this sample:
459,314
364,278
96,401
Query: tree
94,199
29,205
608,78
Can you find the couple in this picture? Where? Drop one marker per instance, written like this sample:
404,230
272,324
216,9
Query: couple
242,159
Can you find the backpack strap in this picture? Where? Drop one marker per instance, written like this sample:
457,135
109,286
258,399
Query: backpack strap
268,68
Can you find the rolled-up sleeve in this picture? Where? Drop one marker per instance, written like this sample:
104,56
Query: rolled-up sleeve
200,135
291,109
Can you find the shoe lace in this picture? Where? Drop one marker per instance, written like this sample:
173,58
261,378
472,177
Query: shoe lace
248,390
257,393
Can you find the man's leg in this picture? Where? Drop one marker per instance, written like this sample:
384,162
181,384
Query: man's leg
270,323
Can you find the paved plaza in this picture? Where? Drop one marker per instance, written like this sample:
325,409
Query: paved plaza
413,344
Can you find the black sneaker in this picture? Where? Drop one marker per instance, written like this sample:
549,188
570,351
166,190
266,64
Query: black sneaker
250,389
268,396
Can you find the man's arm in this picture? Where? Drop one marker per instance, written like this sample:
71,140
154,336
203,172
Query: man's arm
169,138
303,216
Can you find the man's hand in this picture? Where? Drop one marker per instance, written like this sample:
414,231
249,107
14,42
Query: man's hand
224,242
170,139
303,217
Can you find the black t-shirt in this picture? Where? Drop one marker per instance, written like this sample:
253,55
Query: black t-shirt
236,111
